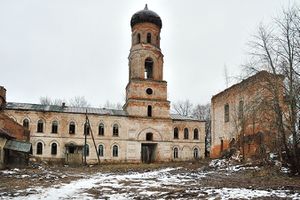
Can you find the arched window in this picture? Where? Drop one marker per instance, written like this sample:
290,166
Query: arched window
226,113
149,111
53,149
148,37
196,134
26,123
40,126
149,136
101,150
54,126
186,133
86,150
101,129
196,153
176,135
71,148
148,68
72,128
39,148
138,38
175,152
115,151
115,130
86,129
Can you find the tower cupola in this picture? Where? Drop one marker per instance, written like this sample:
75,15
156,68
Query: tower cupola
145,15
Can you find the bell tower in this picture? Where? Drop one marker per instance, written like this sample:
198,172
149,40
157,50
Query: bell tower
146,91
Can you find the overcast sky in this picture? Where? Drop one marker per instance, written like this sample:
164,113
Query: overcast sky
67,48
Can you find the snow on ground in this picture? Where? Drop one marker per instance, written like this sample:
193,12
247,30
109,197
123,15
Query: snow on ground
157,184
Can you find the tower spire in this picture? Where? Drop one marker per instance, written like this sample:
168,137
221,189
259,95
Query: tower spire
146,7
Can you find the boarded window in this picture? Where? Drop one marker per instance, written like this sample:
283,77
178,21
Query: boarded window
115,130
176,134
72,128
186,133
39,148
101,150
54,126
196,134
101,129
175,152
40,126
115,151
226,113
53,149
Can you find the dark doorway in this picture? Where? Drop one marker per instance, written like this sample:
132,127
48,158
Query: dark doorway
148,153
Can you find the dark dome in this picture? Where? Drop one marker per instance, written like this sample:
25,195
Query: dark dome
145,16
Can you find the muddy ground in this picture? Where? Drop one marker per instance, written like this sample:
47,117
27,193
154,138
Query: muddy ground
19,183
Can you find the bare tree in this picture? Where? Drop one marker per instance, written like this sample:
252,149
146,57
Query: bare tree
184,108
48,101
78,101
276,50
111,105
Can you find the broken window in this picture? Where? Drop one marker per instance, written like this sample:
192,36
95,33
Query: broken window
86,150
148,37
115,151
175,152
53,149
115,130
54,126
186,133
148,68
40,126
72,128
149,136
196,134
149,111
86,129
196,153
101,150
26,123
226,113
39,148
176,135
101,129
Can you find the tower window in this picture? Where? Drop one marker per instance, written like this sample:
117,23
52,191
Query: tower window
138,38
149,91
149,111
148,37
196,134
148,68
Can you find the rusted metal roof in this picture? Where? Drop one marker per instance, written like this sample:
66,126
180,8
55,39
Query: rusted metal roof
6,134
18,146
63,109
183,118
